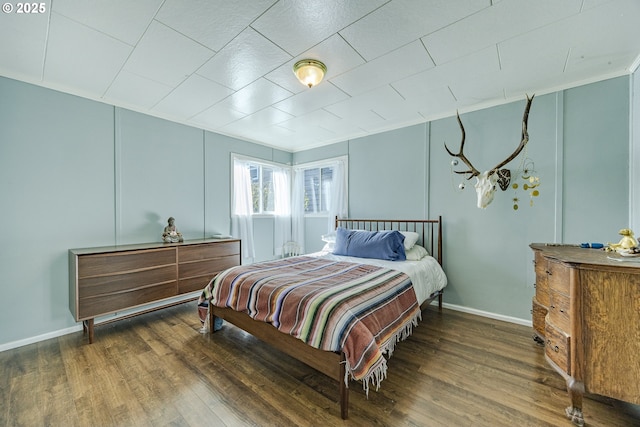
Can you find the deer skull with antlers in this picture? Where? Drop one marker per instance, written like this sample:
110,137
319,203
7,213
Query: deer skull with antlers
486,181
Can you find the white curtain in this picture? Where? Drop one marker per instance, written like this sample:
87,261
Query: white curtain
242,207
282,209
338,200
297,210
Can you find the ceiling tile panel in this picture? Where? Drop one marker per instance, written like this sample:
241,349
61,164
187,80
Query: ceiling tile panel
320,118
166,56
366,101
585,54
244,60
214,23
275,135
297,25
333,128
256,96
265,117
396,65
129,89
486,83
400,22
492,25
23,47
124,20
312,99
367,120
82,58
612,44
193,96
216,117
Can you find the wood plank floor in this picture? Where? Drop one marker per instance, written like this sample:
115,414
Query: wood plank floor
157,369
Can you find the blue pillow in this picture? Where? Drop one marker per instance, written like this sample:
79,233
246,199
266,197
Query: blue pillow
387,245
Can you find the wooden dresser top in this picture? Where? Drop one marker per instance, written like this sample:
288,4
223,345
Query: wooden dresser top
138,246
586,257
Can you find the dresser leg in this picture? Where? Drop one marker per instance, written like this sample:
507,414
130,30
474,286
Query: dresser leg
87,327
576,391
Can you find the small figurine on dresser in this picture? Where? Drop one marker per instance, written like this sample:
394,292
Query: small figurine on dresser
628,243
170,233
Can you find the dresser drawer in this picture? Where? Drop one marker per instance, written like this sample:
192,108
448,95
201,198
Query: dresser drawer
209,267
117,262
189,253
557,347
542,285
559,277
96,306
559,306
96,286
538,315
193,284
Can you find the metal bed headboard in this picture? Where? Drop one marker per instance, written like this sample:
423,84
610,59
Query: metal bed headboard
430,230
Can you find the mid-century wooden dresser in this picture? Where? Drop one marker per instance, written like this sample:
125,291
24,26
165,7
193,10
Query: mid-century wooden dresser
587,312
112,279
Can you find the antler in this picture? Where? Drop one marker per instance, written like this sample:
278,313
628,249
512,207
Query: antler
472,171
523,140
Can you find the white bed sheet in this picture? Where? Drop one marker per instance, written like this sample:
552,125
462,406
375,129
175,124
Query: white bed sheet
426,275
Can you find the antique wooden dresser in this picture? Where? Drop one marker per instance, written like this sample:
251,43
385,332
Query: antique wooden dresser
586,310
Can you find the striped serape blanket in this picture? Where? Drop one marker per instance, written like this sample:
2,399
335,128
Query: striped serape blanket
359,309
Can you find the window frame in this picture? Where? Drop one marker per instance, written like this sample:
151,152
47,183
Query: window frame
261,163
319,164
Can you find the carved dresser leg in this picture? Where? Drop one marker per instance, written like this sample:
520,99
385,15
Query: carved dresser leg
576,391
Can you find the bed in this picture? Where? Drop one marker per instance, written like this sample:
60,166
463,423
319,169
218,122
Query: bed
340,310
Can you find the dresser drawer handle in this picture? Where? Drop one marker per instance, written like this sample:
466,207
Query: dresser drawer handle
549,273
556,349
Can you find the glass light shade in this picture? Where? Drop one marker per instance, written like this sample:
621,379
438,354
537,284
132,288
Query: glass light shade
309,71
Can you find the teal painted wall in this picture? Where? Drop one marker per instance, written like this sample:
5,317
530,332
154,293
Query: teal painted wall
78,173
56,187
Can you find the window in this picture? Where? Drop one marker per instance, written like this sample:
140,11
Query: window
317,189
321,188
262,191
268,190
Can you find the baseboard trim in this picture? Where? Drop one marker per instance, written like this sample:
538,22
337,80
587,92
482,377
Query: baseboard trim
124,314
38,338
482,313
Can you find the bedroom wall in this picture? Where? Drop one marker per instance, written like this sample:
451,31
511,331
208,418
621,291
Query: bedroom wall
77,173
579,143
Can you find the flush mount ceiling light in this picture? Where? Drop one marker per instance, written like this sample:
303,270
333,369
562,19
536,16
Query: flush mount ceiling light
309,71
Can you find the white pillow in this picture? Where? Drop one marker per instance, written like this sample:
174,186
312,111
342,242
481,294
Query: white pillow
416,253
328,247
410,239
330,237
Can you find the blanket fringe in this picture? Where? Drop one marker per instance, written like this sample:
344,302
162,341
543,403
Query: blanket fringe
378,372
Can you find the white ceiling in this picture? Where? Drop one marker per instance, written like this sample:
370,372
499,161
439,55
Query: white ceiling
226,65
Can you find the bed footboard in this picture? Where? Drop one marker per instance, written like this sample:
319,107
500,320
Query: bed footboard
329,363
